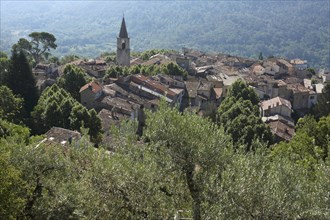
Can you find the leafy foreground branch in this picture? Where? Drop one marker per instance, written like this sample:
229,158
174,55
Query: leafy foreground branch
187,164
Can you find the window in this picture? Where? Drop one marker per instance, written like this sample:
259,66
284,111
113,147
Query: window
123,45
312,97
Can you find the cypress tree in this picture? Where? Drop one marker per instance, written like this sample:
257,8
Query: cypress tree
21,80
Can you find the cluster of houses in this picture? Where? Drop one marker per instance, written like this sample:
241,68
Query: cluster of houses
284,86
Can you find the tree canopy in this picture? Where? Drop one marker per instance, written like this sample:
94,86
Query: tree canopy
72,80
4,70
240,117
38,47
56,107
310,144
240,90
192,146
11,106
322,108
21,80
184,166
245,32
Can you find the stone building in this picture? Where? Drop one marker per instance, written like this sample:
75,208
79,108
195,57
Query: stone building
89,94
276,106
123,47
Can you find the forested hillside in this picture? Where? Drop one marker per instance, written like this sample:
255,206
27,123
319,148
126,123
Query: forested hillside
281,28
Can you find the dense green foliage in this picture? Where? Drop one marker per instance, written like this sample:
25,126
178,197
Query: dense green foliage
8,129
256,187
145,55
21,80
310,144
240,90
72,80
150,70
322,108
191,147
11,106
56,107
240,117
38,47
188,164
68,58
4,69
281,28
11,184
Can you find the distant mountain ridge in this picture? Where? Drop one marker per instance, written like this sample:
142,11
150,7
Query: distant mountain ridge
288,29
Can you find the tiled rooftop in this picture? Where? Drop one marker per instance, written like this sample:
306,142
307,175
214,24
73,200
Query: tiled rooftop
274,102
93,86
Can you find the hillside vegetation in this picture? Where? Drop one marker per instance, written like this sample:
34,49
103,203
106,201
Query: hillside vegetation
281,28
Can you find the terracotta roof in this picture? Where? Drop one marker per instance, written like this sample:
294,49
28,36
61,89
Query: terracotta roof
152,85
93,86
282,130
274,102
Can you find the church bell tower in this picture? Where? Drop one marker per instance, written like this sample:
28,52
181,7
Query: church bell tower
123,48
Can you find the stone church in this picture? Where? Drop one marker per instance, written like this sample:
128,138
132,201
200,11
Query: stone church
123,47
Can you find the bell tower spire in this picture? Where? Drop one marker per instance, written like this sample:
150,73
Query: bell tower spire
123,47
123,30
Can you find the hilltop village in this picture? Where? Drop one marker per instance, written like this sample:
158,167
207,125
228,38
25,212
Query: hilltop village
287,89
161,134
